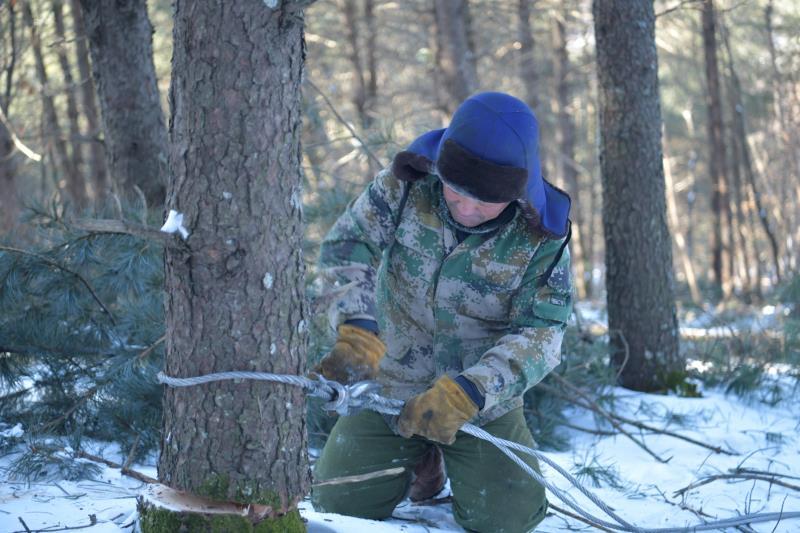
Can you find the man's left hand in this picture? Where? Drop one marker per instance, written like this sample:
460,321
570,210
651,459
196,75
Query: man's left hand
438,413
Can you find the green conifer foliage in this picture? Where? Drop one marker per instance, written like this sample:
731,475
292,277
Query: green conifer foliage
81,335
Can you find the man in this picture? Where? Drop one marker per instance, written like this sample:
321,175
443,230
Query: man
451,276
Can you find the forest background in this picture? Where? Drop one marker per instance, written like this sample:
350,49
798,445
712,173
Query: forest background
379,73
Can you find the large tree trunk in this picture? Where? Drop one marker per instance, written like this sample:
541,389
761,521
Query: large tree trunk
641,303
720,247
235,296
97,156
455,57
120,43
73,183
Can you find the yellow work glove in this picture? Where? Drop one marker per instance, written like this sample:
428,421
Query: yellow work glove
438,413
354,357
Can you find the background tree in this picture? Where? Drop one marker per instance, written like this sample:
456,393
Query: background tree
98,175
235,296
71,182
120,44
642,323
720,201
455,55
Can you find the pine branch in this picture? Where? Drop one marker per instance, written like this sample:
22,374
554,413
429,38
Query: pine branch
83,399
122,227
59,266
147,351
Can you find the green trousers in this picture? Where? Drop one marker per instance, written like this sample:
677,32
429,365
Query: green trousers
365,471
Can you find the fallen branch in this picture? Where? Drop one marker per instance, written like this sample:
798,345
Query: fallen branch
593,406
127,471
636,423
577,517
738,476
92,523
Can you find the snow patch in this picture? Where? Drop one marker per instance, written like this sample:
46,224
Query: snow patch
13,433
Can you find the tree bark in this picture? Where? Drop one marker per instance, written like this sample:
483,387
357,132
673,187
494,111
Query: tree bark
639,280
98,174
235,299
120,43
455,57
73,184
716,140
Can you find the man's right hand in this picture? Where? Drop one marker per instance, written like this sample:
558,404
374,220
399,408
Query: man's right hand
354,357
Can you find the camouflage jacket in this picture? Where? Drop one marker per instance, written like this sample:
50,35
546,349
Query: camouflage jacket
480,308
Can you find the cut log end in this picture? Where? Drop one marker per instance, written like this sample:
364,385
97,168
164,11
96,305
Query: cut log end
165,510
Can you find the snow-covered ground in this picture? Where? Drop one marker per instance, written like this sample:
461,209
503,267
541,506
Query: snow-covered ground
640,489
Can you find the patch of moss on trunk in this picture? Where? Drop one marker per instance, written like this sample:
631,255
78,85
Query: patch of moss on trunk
217,487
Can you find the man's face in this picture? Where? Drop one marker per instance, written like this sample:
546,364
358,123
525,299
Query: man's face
469,212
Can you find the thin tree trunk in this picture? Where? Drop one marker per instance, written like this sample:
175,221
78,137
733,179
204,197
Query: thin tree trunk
790,140
739,206
565,140
716,140
372,58
76,143
73,183
528,71
747,162
120,43
97,156
455,57
675,228
359,97
235,297
642,319
9,203
527,62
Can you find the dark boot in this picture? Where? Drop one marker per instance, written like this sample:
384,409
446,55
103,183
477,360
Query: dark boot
429,476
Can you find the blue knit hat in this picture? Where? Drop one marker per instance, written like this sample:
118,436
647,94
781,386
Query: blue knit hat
490,151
